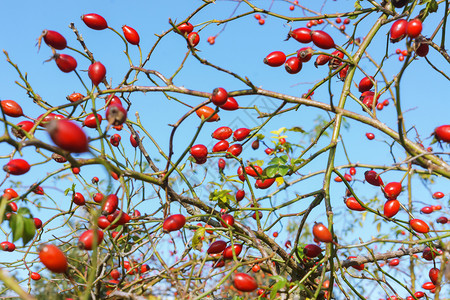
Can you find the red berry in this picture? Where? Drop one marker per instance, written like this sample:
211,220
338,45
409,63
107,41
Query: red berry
264,183
221,164
365,84
115,274
116,114
91,121
442,220
35,276
97,72
414,28
241,134
275,59
240,194
373,178
419,226
321,60
322,39
338,20
234,150
352,171
293,65
98,197
185,28
244,282
227,220
53,258
7,246
228,252
122,220
256,268
312,250
78,199
442,133
370,135
11,108
257,16
25,126
131,35
37,223
173,223
222,133
94,21
398,30
302,35
353,204
401,58
392,190
434,274
75,97
268,151
115,139
205,112
10,193
68,136
211,40
193,39
110,205
199,151
346,21
134,141
428,286
65,63
394,262
219,96
216,247
113,100
231,104
426,210
261,22
305,54
357,267
221,146
17,166
86,240
322,233
343,72
391,208
53,39
438,195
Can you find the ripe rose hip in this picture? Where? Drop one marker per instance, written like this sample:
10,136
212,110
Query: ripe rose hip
122,220
7,246
373,178
222,133
53,39
216,247
234,150
227,220
365,84
25,126
97,72
293,65
65,63
434,274
193,39
219,96
414,28
113,100
94,21
240,194
68,136
244,282
231,104
264,183
205,112
17,166
221,146
199,151
91,121
86,240
321,60
392,190
35,276
305,54
398,30
391,208
370,136
115,140
241,134
185,28
312,250
302,35
134,141
131,35
419,226
275,59
78,199
173,223
53,258
228,252
322,39
353,204
110,205
322,233
426,210
11,108
442,133
221,164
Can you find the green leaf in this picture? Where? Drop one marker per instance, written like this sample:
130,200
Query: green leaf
281,283
283,170
17,226
24,211
259,136
297,129
197,242
258,163
271,171
284,159
29,231
357,5
276,161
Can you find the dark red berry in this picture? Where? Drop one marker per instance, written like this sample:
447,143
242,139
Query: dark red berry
231,104
293,65
219,96
54,39
373,178
173,223
365,84
65,63
305,54
398,30
322,39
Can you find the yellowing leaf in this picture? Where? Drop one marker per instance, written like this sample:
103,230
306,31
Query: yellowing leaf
197,242
279,181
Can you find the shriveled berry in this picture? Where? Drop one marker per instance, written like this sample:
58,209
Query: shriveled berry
116,114
305,54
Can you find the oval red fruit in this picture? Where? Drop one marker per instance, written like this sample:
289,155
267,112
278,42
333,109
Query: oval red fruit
414,28
228,252
94,21
419,226
231,104
442,133
219,96
35,276
173,223
221,146
244,282
392,190
193,39
373,178
322,233
322,39
131,35
227,220
365,84
234,150
97,72
216,247
68,136
398,30
264,183
222,133
86,240
53,258
185,28
11,108
275,59
65,63
353,204
91,121
293,65
241,134
391,208
312,250
78,199
205,112
302,35
54,39
199,151
434,274
110,205
305,54
17,166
